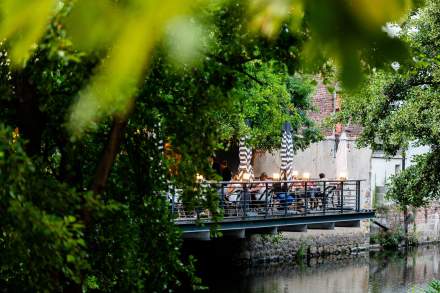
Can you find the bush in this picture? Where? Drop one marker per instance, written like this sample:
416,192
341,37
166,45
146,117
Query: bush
412,238
41,238
433,287
301,253
388,239
46,246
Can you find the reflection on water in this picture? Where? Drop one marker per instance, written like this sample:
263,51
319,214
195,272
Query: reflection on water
401,273
378,273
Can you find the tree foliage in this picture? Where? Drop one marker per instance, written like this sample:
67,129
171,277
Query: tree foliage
41,235
400,108
276,97
126,32
90,211
418,184
123,236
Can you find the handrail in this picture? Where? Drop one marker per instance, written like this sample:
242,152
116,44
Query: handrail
282,181
276,198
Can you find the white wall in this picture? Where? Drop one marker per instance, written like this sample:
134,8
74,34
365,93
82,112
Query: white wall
382,168
317,158
415,150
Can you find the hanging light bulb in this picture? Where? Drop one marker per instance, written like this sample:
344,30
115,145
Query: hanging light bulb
342,176
199,177
306,175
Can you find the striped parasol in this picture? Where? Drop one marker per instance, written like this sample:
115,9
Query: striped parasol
245,155
286,152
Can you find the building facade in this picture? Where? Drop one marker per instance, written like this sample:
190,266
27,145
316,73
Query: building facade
374,168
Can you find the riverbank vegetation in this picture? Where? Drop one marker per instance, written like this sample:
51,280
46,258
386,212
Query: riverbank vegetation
394,238
433,287
98,124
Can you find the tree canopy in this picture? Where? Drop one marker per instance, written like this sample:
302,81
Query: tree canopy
126,32
400,107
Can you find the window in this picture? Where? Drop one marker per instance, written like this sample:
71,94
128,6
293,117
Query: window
397,169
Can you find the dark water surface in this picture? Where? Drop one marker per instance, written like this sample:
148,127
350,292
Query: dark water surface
378,272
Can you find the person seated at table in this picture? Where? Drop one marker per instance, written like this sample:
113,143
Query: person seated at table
282,193
298,182
258,190
234,188
316,194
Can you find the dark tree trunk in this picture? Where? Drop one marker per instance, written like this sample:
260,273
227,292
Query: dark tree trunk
30,119
70,170
405,224
101,176
109,154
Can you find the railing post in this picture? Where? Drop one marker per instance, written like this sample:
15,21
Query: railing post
358,196
324,198
245,198
342,196
285,198
267,201
173,199
306,200
222,198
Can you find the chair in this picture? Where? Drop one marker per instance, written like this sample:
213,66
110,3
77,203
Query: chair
264,202
231,203
328,195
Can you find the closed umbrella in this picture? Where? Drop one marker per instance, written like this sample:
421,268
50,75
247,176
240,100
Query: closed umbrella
342,157
286,152
245,155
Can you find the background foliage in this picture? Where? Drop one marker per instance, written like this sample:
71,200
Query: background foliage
399,108
127,32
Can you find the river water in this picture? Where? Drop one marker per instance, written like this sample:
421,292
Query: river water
379,272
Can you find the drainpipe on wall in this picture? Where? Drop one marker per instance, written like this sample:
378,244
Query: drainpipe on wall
334,132
403,160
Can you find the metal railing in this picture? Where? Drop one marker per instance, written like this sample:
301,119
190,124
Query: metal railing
239,199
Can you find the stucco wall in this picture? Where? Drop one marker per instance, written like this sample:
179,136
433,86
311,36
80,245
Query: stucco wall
424,222
383,167
313,243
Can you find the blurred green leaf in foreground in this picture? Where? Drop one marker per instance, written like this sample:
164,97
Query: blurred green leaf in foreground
124,34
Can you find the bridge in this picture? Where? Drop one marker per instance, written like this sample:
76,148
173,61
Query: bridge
266,207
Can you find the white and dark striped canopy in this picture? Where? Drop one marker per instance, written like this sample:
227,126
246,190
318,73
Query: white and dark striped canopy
245,155
286,152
